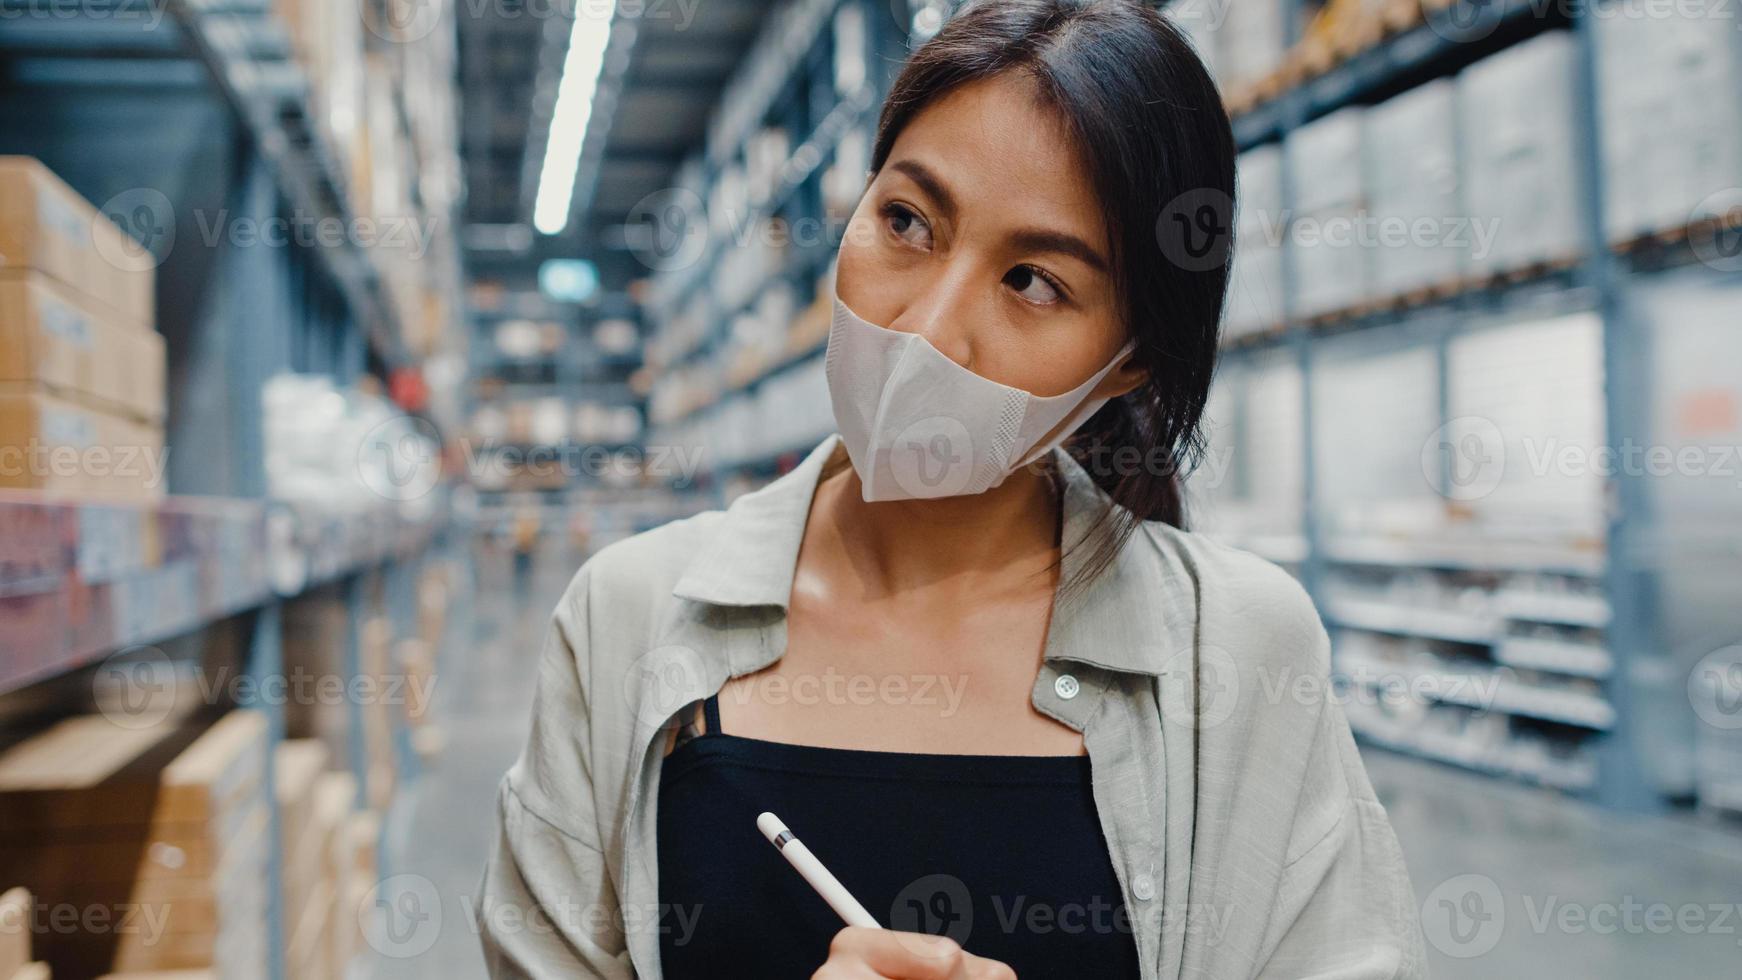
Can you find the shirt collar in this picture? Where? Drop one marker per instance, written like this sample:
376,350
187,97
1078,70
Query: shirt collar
1135,616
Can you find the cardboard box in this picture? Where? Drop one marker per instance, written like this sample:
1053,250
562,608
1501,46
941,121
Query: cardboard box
299,767
45,337
167,824
128,372
46,226
45,442
69,449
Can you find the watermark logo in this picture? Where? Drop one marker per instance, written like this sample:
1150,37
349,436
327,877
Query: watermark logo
1464,916
136,687
1715,688
147,222
1217,693
402,21
667,230
933,457
661,681
1196,230
922,18
1465,459
1718,242
1467,21
936,905
400,459
401,916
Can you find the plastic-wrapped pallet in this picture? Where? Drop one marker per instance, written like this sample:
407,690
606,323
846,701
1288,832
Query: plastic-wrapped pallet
1516,111
1255,292
1424,234
1327,229
1671,138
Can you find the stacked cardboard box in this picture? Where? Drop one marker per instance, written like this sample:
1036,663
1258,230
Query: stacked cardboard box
81,366
384,697
157,836
316,634
315,807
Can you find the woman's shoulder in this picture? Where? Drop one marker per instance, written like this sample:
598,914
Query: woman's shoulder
1241,597
635,574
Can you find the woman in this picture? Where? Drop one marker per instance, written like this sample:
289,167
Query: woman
964,649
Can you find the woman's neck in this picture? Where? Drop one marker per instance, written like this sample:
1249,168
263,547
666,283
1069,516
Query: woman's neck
1001,539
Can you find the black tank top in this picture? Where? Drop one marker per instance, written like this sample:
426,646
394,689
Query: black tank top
1003,853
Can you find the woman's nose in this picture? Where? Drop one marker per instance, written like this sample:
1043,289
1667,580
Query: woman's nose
942,313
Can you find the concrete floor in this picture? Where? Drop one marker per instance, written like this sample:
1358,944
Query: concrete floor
1513,881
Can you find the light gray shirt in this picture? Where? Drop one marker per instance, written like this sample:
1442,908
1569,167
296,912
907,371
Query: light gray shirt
1240,823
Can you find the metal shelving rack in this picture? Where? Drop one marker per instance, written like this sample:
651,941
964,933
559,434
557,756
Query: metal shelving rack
201,101
1600,282
805,101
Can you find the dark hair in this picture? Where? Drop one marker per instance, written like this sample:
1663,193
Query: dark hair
1153,132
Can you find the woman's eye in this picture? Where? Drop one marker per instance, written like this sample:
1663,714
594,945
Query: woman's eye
1033,285
907,225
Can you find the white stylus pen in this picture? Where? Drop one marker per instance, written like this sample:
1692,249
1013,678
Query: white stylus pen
806,864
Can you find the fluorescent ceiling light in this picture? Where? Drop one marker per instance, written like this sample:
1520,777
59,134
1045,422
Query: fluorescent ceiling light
574,109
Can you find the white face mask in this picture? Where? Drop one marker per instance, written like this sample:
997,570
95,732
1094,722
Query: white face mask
918,426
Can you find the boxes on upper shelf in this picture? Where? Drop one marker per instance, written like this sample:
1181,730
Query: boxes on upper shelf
1329,229
46,226
1413,190
1518,151
1672,145
1255,290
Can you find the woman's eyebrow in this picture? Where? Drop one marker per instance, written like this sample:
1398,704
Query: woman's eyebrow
929,182
1027,239
1045,240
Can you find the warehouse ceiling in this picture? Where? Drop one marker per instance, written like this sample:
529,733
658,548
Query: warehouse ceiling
684,52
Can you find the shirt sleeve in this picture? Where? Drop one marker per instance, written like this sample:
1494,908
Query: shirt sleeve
1344,908
548,907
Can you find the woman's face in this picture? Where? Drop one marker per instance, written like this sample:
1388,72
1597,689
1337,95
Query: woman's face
983,235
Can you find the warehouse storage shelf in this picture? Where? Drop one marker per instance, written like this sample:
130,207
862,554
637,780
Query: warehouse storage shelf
1446,41
769,373
800,166
1485,690
249,56
1432,624
83,580
1554,656
1573,776
1463,553
1541,289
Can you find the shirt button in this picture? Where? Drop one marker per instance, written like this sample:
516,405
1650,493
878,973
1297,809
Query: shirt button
1143,886
1066,686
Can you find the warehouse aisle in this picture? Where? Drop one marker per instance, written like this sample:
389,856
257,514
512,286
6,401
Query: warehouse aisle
1514,882
483,697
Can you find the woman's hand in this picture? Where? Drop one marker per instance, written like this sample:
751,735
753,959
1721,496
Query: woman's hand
863,953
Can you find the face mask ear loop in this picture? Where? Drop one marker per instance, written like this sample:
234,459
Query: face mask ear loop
1082,413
